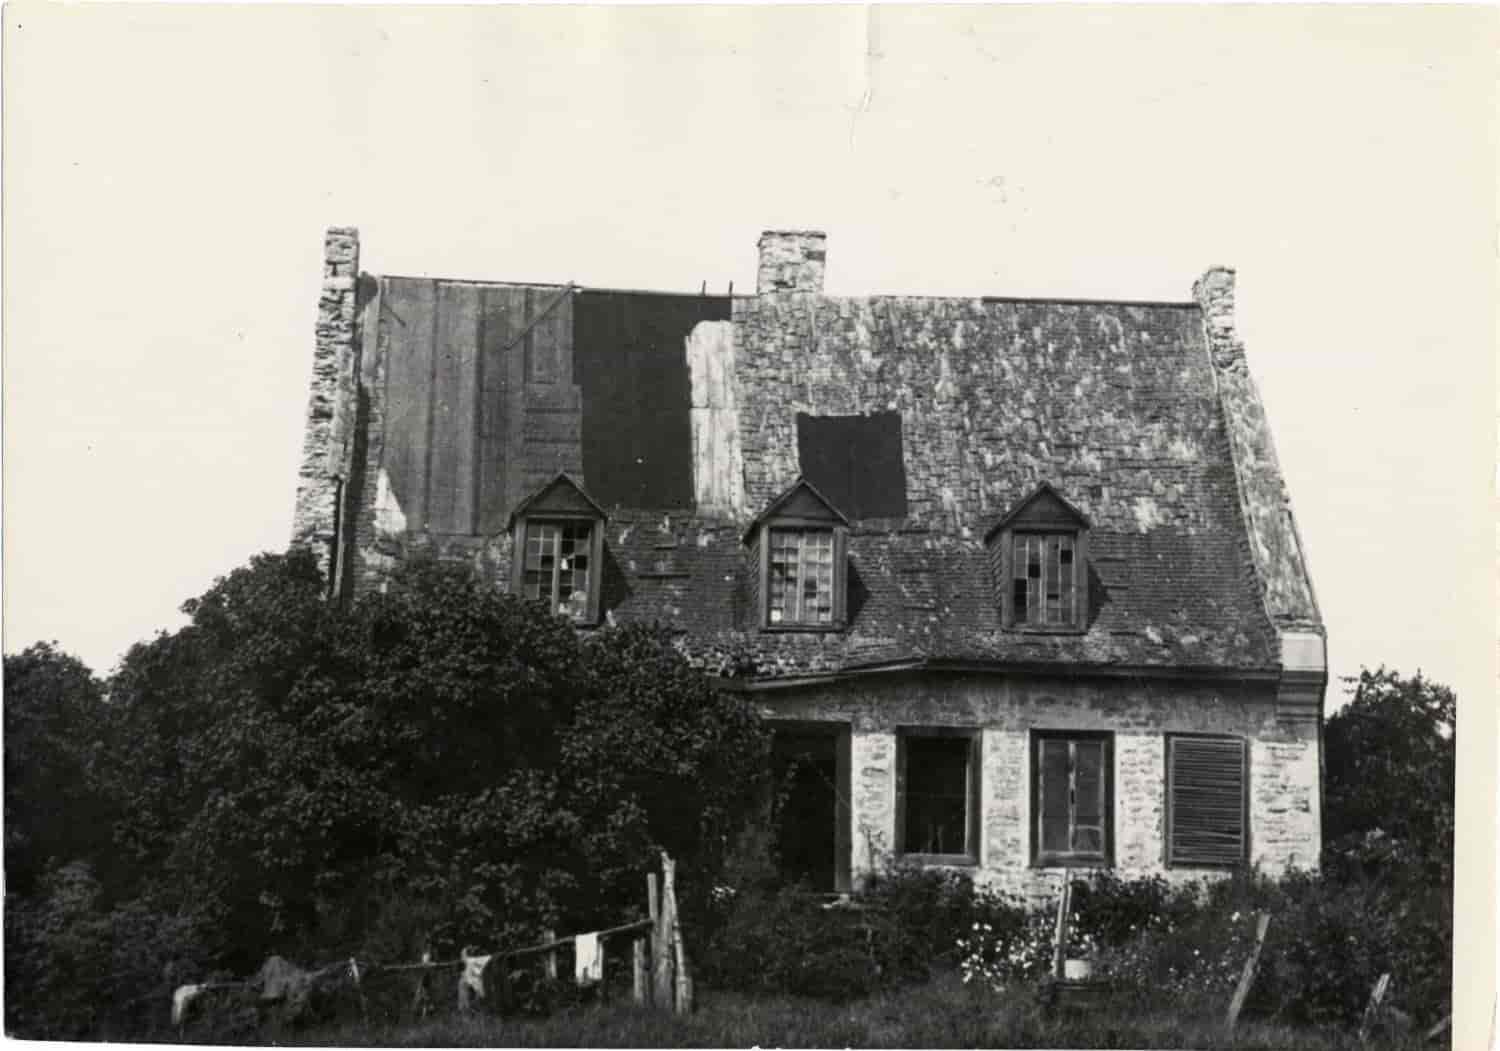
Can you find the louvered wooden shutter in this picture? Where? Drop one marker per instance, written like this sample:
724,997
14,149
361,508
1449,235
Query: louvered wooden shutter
1207,791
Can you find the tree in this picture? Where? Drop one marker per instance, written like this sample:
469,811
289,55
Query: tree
438,755
1389,757
54,723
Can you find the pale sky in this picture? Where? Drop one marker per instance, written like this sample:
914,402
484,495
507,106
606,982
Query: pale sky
169,172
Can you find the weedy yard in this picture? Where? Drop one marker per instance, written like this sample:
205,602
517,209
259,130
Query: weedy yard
943,1012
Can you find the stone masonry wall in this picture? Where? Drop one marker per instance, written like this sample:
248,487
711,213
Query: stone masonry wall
329,432
1284,803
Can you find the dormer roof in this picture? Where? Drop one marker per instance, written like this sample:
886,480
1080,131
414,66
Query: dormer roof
561,496
1043,508
800,500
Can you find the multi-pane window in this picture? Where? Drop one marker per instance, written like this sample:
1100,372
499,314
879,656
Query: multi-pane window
801,577
1072,798
939,794
1044,580
1207,798
557,566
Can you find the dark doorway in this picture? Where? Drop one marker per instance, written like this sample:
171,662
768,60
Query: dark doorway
810,765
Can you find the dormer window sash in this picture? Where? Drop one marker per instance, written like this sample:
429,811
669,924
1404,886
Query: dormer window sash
800,543
558,550
1039,557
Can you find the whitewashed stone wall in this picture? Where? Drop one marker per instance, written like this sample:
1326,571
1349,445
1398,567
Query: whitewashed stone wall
1284,803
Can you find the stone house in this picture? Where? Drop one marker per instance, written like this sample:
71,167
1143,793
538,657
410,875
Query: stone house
1016,579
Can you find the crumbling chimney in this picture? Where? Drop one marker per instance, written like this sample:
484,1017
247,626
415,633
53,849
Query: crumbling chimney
1214,292
791,261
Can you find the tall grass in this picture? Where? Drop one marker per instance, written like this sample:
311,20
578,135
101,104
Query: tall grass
941,1013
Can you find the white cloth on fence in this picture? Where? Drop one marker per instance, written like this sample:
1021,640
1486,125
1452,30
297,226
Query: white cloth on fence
181,997
472,979
588,964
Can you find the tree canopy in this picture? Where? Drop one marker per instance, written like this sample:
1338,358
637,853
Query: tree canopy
437,763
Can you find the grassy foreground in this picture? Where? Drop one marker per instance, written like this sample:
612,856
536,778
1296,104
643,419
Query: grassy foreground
942,1013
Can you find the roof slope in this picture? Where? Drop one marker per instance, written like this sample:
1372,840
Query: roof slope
1114,405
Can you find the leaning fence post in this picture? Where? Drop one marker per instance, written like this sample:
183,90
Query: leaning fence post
661,955
1376,995
1247,976
684,985
1060,932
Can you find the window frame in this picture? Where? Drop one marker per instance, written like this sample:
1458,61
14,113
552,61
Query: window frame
1073,859
1010,617
1170,806
973,802
840,572
590,614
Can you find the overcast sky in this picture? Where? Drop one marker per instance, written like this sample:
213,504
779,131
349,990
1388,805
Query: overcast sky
169,172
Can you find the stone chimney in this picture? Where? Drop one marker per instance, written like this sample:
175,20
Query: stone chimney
791,261
326,430
1214,292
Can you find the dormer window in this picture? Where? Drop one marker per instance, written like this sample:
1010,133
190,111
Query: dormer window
559,550
1039,556
799,548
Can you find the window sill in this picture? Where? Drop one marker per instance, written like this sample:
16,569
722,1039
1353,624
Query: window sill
792,629
1072,861
1023,629
967,861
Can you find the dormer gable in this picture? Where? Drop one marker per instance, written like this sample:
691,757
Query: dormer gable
561,496
1038,554
799,502
1042,508
558,552
799,548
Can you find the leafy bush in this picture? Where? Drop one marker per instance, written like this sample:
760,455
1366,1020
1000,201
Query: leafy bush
788,941
906,922
74,969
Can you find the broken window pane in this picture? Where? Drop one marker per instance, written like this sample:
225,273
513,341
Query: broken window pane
557,565
1071,797
1044,592
801,576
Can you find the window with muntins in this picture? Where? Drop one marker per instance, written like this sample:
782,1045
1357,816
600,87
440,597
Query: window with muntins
938,795
1044,580
1039,563
800,547
1208,791
801,584
558,565
1071,799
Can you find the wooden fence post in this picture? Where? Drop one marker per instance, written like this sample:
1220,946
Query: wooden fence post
684,984
661,954
1247,976
639,986
549,961
1373,1007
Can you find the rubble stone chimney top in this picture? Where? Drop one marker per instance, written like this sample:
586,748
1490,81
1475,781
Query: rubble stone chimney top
791,261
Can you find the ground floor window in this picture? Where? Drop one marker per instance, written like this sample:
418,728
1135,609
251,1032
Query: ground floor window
938,794
1072,791
1208,801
